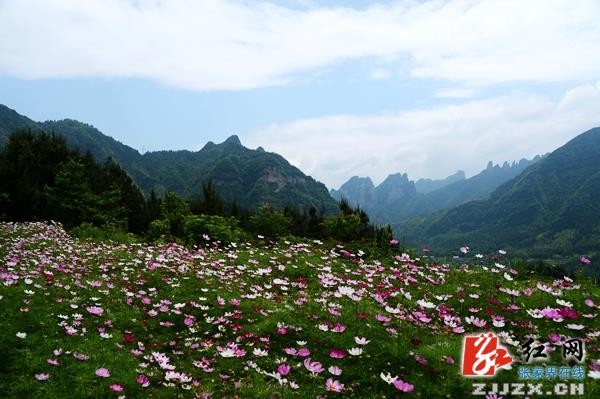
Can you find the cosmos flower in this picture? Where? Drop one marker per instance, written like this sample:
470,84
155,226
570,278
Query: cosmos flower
42,376
95,310
585,260
284,369
403,386
103,372
313,367
387,377
143,381
361,340
117,387
332,385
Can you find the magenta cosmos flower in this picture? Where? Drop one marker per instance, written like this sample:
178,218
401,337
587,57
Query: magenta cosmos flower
585,260
143,380
332,385
284,369
337,353
403,386
96,310
313,367
103,372
117,387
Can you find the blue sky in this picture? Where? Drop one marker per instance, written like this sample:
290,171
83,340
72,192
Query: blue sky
423,87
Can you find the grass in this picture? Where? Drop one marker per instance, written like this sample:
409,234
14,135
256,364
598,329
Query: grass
190,305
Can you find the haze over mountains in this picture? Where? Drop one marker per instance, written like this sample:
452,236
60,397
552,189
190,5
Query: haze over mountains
552,207
397,198
546,205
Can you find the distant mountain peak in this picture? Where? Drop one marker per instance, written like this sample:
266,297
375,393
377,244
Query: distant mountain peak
233,139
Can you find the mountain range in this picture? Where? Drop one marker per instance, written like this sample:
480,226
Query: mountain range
398,198
552,207
242,175
547,205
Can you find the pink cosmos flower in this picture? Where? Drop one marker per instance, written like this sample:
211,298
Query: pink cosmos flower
403,386
332,385
117,387
313,367
143,381
189,321
103,372
585,260
554,338
284,369
95,310
420,359
42,376
334,370
290,351
449,359
464,249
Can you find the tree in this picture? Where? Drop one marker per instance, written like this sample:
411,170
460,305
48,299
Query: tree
70,196
270,223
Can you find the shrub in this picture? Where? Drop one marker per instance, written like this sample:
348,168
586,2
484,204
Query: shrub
220,228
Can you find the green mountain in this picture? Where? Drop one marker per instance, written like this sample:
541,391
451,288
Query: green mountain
398,198
248,177
428,185
553,207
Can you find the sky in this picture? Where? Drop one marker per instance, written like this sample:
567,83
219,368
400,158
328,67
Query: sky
339,88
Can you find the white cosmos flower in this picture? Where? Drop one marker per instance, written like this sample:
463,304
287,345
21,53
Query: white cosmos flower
227,353
259,352
355,351
564,303
508,277
361,340
425,304
21,335
387,377
392,310
575,326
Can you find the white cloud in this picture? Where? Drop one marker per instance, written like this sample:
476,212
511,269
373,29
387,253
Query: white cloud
432,142
232,45
455,93
380,74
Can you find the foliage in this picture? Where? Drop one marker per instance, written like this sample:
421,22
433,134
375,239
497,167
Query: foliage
198,229
270,222
247,177
89,232
41,179
159,230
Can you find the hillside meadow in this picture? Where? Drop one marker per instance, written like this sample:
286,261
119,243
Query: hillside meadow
267,319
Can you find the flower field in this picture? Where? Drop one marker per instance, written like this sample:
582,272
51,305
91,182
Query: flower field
264,320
